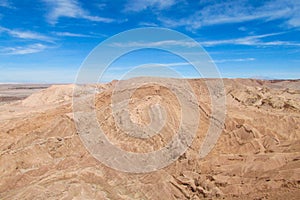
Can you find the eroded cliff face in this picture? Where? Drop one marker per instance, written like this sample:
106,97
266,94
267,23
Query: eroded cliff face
257,155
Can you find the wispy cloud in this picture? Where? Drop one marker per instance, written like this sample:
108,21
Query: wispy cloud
156,44
148,24
140,5
177,64
171,64
26,34
227,12
234,60
68,34
22,50
6,4
71,9
256,40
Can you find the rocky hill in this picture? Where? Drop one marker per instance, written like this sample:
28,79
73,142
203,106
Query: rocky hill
257,155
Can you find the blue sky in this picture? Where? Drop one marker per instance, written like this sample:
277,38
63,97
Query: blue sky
47,40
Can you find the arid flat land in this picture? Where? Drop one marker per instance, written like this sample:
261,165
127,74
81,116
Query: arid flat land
13,92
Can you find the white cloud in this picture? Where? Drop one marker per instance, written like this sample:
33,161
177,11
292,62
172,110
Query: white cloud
72,9
173,64
242,28
6,4
156,44
234,60
26,34
148,24
255,40
22,50
226,12
68,34
176,64
140,5
101,6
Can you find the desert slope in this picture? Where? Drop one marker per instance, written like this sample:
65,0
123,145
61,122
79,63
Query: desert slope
256,157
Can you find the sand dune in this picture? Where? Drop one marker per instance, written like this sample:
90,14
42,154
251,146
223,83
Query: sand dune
256,157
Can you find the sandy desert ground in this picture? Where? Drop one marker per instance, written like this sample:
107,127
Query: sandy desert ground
256,157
